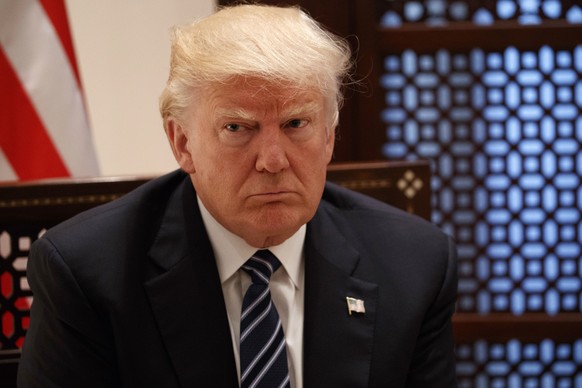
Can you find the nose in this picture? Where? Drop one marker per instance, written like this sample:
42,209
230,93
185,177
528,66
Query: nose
272,150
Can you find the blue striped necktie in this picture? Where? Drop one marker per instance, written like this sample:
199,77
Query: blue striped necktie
263,354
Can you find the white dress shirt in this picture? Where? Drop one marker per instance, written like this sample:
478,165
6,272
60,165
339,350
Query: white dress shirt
286,285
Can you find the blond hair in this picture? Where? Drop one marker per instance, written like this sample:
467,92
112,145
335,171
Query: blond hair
281,45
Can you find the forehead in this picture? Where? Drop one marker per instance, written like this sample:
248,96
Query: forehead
259,96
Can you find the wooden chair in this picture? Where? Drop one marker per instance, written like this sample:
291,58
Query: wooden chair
27,209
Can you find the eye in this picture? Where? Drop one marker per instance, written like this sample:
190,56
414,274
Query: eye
235,133
296,123
231,127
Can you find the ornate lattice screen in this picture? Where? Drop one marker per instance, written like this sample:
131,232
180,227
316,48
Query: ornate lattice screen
501,121
15,295
505,134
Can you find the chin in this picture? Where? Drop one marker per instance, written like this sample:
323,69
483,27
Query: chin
276,228
286,220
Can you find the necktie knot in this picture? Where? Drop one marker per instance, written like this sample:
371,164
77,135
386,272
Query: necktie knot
261,266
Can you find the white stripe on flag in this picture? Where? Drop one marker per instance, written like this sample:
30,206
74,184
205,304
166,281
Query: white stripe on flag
36,54
6,172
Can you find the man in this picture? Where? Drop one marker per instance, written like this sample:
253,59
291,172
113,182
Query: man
151,290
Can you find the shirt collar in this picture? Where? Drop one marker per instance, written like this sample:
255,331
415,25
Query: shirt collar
231,251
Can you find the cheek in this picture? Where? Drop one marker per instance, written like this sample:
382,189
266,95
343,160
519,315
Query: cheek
222,180
217,193
206,156
319,155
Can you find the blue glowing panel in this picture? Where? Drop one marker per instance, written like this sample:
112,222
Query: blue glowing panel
504,133
484,12
516,365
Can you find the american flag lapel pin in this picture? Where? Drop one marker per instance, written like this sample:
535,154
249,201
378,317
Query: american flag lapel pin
355,305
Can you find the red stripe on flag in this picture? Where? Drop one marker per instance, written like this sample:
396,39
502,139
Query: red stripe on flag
23,138
57,13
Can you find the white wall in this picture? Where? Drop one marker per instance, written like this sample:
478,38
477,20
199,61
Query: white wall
123,51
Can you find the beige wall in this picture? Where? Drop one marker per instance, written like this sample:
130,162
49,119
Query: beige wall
123,50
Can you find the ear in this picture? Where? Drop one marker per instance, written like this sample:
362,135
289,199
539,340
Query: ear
329,145
178,138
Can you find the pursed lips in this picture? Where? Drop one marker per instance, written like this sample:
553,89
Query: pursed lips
273,193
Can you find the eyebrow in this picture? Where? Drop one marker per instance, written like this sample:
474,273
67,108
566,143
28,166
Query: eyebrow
309,108
235,113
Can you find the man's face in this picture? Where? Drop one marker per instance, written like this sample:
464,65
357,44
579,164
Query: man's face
257,156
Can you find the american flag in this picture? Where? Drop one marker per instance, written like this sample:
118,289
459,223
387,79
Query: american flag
44,129
355,305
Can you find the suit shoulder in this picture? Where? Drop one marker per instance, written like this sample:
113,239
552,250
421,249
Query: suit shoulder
357,211
131,212
348,200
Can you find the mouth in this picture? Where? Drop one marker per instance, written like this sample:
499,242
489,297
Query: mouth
273,195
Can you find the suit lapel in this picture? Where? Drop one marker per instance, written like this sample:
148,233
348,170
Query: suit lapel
337,345
186,297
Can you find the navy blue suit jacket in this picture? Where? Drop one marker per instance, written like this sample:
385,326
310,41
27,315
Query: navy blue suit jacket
128,294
